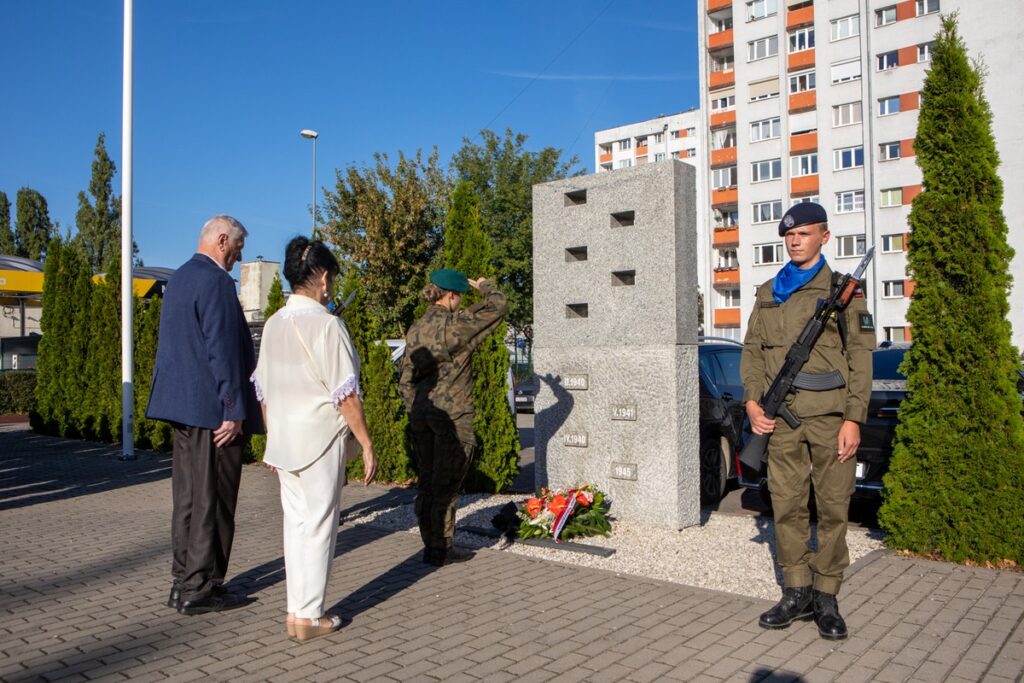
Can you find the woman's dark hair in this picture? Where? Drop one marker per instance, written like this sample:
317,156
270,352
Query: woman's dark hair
305,258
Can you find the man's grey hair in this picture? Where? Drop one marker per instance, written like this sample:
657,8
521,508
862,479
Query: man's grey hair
220,225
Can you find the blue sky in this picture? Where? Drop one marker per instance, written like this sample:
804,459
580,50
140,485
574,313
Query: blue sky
223,88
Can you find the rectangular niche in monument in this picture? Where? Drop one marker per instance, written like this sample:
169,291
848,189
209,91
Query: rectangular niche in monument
623,278
576,311
623,219
576,198
573,254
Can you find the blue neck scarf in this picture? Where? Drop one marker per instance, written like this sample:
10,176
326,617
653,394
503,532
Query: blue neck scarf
791,278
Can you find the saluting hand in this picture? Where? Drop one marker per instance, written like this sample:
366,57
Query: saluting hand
475,284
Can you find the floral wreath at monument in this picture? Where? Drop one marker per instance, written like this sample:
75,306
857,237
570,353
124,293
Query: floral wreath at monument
565,513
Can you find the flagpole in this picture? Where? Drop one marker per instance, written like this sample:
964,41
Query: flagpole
127,359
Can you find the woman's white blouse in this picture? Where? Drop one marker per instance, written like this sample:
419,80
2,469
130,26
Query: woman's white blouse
307,366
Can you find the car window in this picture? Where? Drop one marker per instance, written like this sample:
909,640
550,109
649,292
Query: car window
708,365
729,367
885,364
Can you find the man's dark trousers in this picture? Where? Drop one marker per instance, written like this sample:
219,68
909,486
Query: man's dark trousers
442,457
204,485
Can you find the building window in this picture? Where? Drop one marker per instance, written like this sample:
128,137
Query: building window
805,164
849,246
727,258
846,27
722,24
677,154
691,152
849,157
846,71
659,156
726,219
811,198
730,298
659,138
801,82
892,244
762,90
723,177
892,289
850,202
767,212
722,64
767,254
759,9
888,60
725,103
846,114
624,163
641,141
924,52
691,131
889,105
885,16
892,197
895,334
802,39
766,129
888,151
723,139
927,6
625,144
762,48
769,169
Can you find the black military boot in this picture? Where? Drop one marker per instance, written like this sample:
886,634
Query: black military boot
826,615
795,604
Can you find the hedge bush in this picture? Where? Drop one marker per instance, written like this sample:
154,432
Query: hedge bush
17,392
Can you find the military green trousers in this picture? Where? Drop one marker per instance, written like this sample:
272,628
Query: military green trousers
442,460
795,458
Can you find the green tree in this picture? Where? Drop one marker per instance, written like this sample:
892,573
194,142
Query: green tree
467,248
503,172
55,325
103,371
275,298
77,364
388,220
7,244
956,480
154,434
99,221
34,229
358,321
386,419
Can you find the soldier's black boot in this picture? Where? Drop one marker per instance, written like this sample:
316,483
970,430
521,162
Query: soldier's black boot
795,604
826,615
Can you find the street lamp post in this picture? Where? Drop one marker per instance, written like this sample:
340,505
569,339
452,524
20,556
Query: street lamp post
312,135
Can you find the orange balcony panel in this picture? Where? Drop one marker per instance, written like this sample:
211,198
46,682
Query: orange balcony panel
805,142
727,276
805,184
722,197
908,287
715,5
726,155
727,317
717,41
907,336
642,150
725,237
908,55
800,17
907,148
605,158
909,192
906,241
801,60
721,79
906,10
803,101
725,118
909,101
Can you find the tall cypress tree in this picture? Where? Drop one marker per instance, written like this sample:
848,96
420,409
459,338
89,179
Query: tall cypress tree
386,419
34,229
104,367
468,249
956,480
7,245
56,327
275,298
77,364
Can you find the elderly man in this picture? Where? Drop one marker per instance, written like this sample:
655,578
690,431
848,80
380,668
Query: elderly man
201,386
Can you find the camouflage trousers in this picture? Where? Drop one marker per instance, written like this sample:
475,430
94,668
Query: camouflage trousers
442,454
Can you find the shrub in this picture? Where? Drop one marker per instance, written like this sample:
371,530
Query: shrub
17,391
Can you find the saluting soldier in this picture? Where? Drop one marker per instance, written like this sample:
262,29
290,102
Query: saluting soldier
831,407
437,386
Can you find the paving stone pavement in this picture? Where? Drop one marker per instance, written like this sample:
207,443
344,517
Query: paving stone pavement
85,562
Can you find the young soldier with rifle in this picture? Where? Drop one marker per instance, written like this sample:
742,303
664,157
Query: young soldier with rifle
807,359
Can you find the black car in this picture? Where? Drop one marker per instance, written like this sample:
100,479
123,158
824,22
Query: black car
721,414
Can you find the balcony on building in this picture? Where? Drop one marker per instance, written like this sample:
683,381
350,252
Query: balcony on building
725,237
909,192
799,13
727,317
724,197
723,156
720,40
802,101
803,142
716,5
722,64
723,118
727,276
605,156
800,60
803,185
641,151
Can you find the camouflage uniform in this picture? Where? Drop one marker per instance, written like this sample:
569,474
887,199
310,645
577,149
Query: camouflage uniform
810,452
437,387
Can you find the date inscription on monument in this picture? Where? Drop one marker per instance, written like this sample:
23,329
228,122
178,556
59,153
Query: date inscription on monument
576,382
576,439
624,412
624,470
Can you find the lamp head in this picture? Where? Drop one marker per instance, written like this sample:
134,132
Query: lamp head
309,134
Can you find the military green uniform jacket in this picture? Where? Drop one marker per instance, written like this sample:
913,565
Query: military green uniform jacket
437,371
772,330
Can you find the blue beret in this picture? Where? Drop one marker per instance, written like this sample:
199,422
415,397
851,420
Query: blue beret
804,213
449,279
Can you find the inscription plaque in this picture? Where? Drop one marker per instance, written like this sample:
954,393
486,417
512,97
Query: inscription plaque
624,470
624,412
576,439
576,382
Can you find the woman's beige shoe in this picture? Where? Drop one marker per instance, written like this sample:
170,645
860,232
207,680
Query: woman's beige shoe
317,627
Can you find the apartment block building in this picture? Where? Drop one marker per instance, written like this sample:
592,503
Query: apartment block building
818,101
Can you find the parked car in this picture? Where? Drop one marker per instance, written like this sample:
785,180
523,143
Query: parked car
721,414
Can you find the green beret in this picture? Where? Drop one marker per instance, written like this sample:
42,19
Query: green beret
449,279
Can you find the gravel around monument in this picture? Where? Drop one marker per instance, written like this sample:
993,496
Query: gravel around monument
726,552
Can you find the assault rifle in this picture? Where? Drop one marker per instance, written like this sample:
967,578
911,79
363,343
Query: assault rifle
774,400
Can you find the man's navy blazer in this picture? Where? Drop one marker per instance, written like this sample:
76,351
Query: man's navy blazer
205,355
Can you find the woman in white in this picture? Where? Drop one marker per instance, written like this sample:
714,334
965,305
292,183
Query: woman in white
307,380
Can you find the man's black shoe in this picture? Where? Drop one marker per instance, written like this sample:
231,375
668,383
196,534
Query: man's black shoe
826,615
456,554
174,599
214,603
795,604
